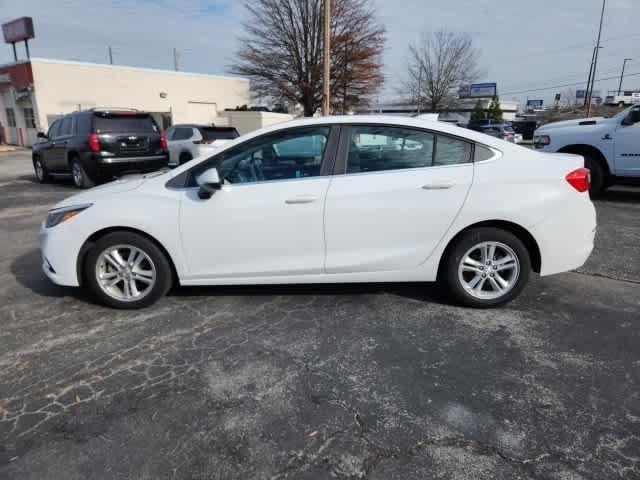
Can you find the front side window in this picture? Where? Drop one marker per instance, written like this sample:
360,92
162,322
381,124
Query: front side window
53,129
377,148
65,127
284,155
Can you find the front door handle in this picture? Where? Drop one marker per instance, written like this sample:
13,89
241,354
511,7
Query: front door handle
437,186
299,200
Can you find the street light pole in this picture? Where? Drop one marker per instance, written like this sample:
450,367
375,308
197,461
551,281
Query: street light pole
586,92
624,64
595,59
326,78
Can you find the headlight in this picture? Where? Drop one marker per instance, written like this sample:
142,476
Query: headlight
60,215
541,140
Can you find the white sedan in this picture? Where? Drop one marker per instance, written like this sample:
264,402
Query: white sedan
333,199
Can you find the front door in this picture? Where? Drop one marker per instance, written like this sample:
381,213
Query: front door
402,190
267,220
57,153
627,146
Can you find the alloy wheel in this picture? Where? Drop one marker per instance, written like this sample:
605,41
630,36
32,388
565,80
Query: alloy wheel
39,170
125,273
489,270
78,175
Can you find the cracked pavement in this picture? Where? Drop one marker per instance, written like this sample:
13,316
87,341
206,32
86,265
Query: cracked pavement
334,381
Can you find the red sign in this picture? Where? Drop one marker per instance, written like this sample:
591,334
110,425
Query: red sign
18,30
19,75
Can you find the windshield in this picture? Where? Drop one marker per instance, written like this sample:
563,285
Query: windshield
624,113
124,124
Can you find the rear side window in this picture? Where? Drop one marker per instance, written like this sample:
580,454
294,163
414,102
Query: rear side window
219,133
451,151
83,124
124,124
65,127
182,133
379,148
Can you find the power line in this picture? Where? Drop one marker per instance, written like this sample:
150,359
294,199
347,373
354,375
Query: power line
552,87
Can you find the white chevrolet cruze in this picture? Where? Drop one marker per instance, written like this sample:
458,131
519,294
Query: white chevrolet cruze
334,199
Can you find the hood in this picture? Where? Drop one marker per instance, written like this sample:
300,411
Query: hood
124,184
579,122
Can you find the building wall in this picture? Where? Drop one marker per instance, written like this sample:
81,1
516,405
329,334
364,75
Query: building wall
246,122
62,87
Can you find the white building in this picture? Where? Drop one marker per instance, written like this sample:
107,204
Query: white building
34,92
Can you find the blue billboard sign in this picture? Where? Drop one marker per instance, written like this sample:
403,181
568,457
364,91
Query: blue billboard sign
535,103
581,93
478,90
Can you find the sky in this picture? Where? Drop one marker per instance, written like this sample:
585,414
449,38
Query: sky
524,44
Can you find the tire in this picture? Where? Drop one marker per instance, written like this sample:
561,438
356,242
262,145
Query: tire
621,104
40,170
79,175
184,158
117,288
464,268
598,175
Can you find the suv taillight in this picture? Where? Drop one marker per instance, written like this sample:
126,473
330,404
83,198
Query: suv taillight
94,142
163,141
579,179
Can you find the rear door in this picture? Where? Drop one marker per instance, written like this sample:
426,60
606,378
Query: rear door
399,193
57,159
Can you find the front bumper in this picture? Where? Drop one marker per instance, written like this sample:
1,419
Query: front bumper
59,247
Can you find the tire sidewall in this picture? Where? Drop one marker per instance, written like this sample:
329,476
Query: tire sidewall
44,177
462,246
597,174
163,269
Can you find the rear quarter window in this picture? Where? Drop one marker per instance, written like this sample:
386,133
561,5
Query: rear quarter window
482,153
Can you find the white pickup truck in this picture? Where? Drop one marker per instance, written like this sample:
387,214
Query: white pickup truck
610,146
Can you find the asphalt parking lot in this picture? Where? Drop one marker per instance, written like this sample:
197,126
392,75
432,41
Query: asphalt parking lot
349,382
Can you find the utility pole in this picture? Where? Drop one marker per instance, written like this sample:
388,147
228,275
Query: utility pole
110,55
586,92
622,74
595,59
175,59
326,78
419,86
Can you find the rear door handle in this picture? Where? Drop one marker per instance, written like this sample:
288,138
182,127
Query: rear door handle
299,200
437,186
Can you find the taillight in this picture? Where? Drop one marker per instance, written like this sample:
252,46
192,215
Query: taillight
579,179
94,142
163,141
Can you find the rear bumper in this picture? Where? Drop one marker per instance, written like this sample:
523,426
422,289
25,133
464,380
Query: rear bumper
566,239
98,166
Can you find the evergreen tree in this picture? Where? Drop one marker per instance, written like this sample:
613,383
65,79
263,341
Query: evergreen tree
478,112
494,112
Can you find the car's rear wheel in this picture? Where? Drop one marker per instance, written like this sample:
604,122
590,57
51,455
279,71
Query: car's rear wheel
42,174
487,267
80,177
126,270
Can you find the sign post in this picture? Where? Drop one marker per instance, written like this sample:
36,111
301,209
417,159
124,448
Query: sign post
18,30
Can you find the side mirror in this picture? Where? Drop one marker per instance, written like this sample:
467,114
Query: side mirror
209,182
42,135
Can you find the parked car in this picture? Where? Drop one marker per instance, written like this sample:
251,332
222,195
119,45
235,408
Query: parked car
525,128
97,145
331,199
610,146
622,100
191,141
503,131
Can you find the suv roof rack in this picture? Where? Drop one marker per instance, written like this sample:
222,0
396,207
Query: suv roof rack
114,109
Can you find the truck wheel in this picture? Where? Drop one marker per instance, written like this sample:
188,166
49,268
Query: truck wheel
621,104
80,177
598,174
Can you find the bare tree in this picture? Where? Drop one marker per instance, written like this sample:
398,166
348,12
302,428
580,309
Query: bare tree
282,50
439,64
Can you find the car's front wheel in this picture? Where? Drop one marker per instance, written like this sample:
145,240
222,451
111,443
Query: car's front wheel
126,270
42,174
487,267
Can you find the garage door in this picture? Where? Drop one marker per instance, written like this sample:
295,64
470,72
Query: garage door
202,112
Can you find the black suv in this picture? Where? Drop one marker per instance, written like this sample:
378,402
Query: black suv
97,145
